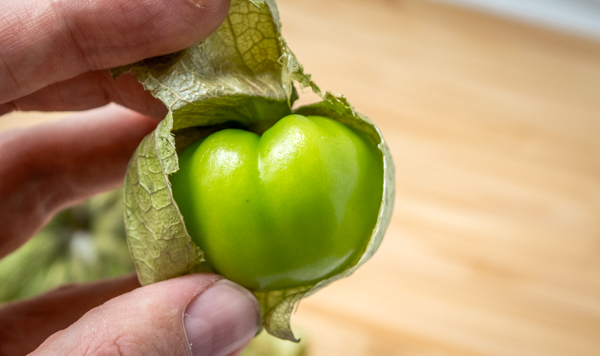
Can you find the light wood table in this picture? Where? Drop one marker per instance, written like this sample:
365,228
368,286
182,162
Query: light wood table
494,247
494,126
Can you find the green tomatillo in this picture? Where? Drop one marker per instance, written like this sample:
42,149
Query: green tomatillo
285,209
286,213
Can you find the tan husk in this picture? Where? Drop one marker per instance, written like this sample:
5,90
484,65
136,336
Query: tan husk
242,75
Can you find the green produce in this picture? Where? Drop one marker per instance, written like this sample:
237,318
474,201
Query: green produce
285,209
311,213
82,243
267,345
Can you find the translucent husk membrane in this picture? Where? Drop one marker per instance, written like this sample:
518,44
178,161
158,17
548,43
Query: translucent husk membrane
243,75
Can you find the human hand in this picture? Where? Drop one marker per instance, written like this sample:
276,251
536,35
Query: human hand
54,55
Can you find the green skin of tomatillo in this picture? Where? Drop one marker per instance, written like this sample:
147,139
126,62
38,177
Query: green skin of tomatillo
285,209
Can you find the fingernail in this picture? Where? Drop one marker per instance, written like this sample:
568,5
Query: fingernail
221,320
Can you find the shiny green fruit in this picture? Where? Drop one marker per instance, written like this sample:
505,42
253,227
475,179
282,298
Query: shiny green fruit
288,208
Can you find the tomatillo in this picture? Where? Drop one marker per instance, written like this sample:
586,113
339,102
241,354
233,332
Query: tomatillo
288,208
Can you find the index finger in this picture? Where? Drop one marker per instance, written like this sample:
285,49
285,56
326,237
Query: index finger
46,41
47,167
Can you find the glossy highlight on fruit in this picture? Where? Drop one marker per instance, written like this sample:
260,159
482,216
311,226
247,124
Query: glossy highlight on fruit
288,208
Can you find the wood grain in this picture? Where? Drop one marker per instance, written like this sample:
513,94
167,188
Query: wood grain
494,247
494,126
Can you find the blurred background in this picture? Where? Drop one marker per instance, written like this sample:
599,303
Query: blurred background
492,112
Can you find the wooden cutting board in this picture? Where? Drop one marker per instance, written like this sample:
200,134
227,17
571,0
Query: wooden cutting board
494,126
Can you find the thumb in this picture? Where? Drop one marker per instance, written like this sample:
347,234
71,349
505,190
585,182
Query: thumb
198,314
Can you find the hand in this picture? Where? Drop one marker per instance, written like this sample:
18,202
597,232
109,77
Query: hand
54,55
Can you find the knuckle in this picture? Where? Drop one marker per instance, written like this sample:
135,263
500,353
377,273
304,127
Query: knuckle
105,343
116,339
105,347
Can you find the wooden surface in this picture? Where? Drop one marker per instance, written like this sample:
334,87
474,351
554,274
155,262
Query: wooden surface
494,248
494,126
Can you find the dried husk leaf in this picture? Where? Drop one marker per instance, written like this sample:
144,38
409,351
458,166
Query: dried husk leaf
242,75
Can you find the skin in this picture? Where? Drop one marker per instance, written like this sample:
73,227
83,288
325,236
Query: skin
55,55
285,209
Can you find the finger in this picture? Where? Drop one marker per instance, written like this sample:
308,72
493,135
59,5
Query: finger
196,314
26,324
47,41
87,91
50,166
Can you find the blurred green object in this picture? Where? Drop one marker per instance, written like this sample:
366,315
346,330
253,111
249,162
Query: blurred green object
267,345
80,244
84,243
